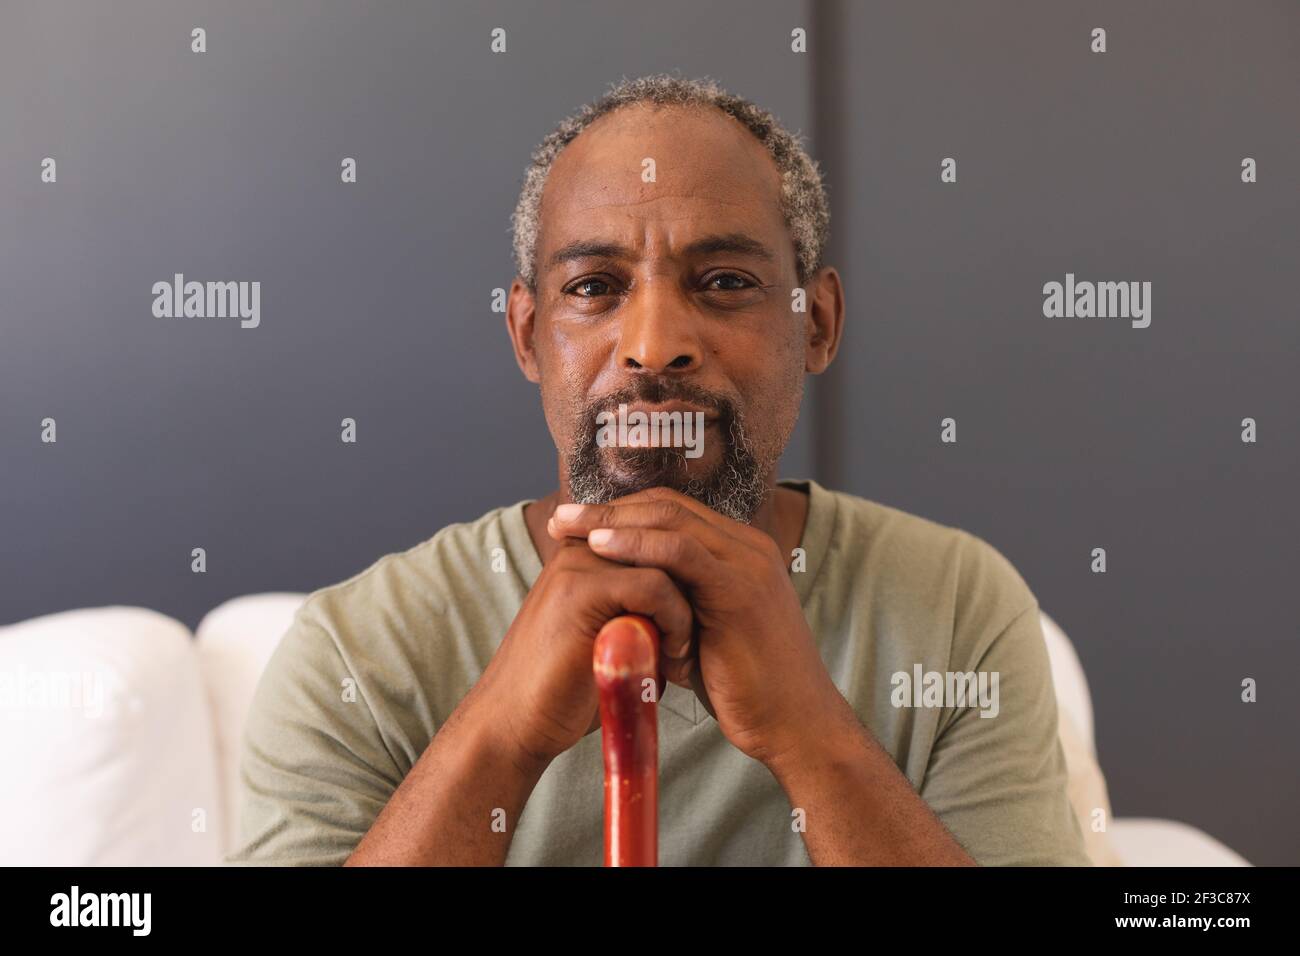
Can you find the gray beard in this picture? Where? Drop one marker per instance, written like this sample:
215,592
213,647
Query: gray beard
735,488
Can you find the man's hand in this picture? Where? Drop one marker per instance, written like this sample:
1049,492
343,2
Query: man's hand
759,672
536,699
539,683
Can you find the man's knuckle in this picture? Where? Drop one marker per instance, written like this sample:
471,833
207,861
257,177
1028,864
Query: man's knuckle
665,512
677,547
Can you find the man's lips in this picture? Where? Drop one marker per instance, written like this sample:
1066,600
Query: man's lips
663,432
668,407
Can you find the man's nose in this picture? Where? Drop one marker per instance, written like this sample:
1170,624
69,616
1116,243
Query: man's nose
658,332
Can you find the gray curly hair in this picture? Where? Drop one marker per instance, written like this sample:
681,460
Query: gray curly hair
803,196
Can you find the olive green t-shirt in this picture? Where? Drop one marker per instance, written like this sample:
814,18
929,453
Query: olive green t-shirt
885,594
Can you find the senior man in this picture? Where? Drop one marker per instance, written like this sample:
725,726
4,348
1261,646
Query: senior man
439,707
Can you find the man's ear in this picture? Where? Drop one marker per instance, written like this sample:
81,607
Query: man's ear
521,313
825,319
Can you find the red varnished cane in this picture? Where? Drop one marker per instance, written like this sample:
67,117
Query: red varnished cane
625,657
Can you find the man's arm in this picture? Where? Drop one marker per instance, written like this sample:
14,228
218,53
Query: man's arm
460,803
858,808
324,782
996,783
315,769
320,786
999,783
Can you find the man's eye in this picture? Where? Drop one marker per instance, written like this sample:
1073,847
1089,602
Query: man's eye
731,282
589,288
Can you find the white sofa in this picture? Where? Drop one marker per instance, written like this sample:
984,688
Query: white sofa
120,732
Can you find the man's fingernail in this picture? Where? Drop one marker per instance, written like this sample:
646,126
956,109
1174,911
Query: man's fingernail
599,536
567,512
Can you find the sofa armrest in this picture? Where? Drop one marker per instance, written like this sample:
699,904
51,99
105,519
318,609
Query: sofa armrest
1142,841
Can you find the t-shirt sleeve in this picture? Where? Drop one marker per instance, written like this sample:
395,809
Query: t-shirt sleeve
998,782
314,770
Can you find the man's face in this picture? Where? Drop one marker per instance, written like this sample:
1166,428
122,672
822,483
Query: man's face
664,278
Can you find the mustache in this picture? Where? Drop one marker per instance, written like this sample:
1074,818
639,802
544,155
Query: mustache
734,487
656,391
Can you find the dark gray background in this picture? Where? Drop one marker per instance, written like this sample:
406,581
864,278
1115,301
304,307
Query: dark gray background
1073,434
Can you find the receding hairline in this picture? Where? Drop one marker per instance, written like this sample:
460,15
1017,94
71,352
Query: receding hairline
803,201
702,110
733,240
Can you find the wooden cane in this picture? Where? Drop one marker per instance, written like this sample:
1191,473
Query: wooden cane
625,660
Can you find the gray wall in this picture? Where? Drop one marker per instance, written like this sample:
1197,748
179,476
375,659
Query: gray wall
1072,433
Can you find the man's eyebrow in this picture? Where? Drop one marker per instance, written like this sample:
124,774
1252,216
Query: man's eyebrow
735,242
589,249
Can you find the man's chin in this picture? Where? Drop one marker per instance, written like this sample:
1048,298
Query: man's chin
628,471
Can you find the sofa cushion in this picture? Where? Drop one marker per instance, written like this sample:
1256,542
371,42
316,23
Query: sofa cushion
106,743
234,642
1072,694
1086,788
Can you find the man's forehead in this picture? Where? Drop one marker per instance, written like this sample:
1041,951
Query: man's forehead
640,164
